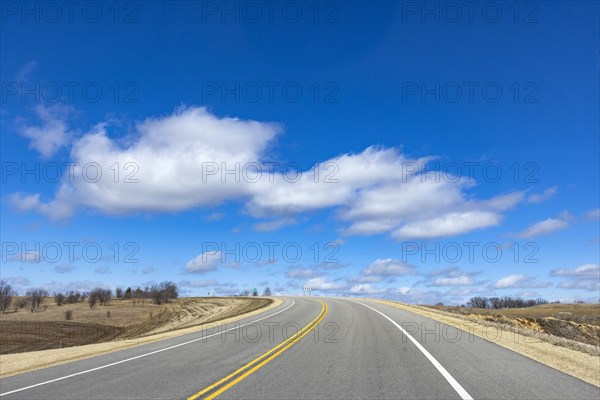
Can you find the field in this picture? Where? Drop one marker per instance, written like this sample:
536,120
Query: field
47,328
578,322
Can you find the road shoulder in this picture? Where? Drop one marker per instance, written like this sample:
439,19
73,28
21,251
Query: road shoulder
575,363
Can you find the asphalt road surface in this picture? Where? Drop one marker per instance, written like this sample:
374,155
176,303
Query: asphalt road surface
308,348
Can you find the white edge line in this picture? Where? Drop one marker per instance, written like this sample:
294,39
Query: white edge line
455,385
143,355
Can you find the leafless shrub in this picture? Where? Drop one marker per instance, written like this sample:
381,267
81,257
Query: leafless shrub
92,299
60,299
69,315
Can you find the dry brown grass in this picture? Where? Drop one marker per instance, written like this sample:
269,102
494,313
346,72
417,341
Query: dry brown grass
47,328
575,322
580,313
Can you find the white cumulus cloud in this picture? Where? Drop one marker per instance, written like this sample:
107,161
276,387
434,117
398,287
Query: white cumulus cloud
192,158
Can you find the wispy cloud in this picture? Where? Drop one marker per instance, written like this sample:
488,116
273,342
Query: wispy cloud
102,270
546,226
545,195
19,280
586,277
215,216
303,273
451,277
200,284
52,133
273,225
519,281
593,215
148,270
64,268
25,71
388,267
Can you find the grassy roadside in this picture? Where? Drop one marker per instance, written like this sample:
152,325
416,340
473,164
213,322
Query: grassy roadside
580,360
17,363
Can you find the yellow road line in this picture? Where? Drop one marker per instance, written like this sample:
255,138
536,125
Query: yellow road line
256,360
260,361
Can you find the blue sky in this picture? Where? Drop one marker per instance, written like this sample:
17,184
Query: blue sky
419,154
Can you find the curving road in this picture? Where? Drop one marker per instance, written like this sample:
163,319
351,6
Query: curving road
308,348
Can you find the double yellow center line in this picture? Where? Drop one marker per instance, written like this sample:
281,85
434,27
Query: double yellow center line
239,375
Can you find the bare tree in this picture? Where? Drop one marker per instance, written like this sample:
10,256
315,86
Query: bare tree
6,296
73,297
495,302
103,296
169,290
477,302
36,297
119,293
267,291
162,293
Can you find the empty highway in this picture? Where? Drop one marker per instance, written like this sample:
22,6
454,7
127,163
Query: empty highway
308,348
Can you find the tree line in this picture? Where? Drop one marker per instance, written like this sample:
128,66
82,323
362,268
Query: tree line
159,294
34,298
503,302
